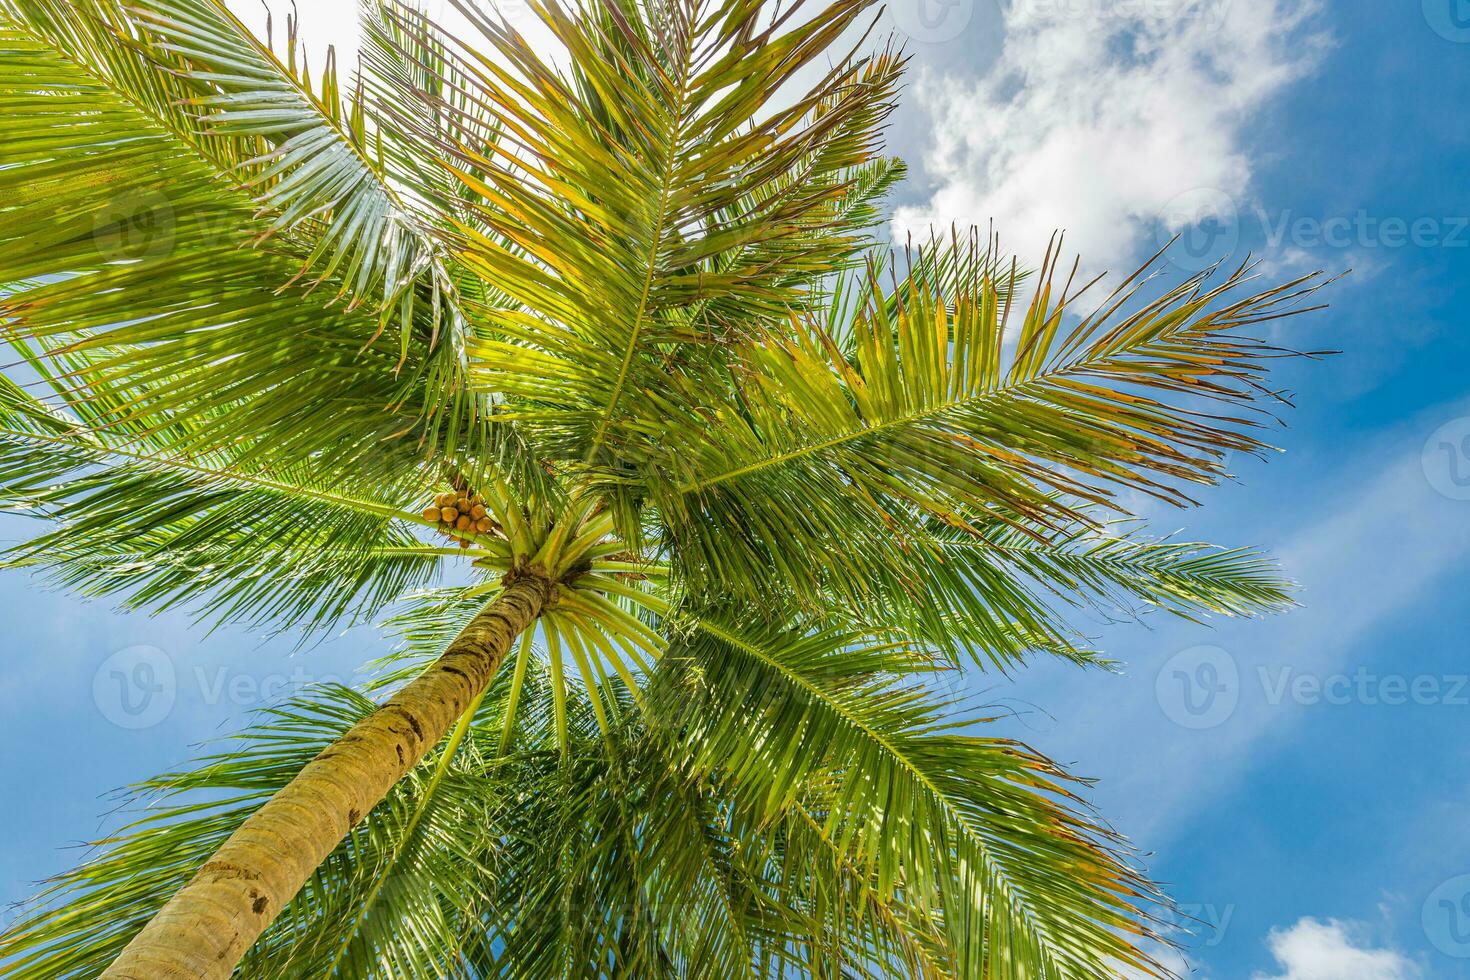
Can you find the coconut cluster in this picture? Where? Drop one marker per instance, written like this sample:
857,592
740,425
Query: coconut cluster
460,516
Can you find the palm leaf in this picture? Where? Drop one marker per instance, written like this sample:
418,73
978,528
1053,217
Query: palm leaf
162,315
831,457
982,832
264,547
660,175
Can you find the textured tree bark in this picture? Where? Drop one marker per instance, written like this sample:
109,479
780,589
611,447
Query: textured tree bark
209,923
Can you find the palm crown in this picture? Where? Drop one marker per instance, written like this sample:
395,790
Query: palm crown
738,486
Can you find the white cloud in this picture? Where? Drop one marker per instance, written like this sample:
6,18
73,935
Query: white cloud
1314,950
1099,114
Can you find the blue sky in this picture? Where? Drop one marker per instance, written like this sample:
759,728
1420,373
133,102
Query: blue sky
1301,783
1313,814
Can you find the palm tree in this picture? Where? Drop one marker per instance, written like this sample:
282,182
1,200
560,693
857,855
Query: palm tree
724,486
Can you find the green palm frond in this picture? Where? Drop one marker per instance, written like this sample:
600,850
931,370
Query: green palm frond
404,53
598,862
86,916
1004,588
981,833
1120,570
936,409
313,171
427,838
263,547
660,175
1069,410
151,287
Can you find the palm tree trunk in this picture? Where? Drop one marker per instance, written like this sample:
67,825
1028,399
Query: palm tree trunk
209,923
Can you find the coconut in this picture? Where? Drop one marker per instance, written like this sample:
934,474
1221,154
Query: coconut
484,525
431,514
448,515
463,523
478,511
